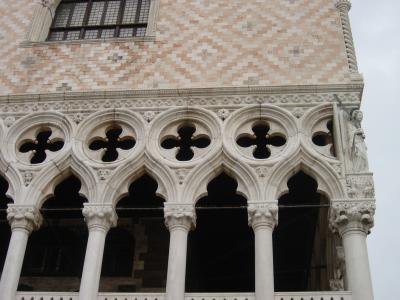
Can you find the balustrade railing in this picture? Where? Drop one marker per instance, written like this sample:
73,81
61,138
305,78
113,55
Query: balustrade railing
189,296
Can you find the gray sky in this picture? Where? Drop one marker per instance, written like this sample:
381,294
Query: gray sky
376,30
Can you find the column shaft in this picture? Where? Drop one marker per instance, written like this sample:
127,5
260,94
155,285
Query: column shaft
23,219
179,218
264,262
263,217
353,219
177,264
357,265
99,219
92,267
13,264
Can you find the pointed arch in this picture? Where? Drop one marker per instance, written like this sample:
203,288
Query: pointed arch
43,185
14,179
118,186
197,181
328,180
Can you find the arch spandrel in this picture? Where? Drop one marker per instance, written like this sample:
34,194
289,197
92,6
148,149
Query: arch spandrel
329,181
118,185
196,183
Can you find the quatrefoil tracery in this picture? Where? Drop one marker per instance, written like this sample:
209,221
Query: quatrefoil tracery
263,142
113,144
186,142
38,148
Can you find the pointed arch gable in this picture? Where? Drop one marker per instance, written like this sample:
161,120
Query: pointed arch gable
118,186
14,179
43,185
328,180
197,182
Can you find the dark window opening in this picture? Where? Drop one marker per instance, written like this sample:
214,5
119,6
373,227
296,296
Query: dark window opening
40,145
95,19
302,238
5,230
323,139
55,253
221,248
185,142
136,252
111,143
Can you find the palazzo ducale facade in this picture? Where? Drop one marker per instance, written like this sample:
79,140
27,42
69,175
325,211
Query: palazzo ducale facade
146,153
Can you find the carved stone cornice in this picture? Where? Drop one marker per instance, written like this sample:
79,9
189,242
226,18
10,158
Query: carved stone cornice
99,216
179,216
24,217
88,102
352,215
263,214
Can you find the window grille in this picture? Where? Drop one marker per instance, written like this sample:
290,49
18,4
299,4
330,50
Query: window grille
95,19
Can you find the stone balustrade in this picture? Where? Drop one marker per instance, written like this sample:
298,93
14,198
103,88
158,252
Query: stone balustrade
188,296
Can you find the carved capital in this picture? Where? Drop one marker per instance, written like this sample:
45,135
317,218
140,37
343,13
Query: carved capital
352,215
343,4
263,214
179,216
24,217
99,216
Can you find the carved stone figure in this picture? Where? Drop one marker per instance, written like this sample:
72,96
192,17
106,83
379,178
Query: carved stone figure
358,150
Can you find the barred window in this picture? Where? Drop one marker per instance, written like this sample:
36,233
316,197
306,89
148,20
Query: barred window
95,19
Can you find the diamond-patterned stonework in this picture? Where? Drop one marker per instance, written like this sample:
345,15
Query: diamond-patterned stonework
198,43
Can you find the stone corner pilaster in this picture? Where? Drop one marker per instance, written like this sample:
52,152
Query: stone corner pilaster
263,213
180,215
27,217
352,215
100,216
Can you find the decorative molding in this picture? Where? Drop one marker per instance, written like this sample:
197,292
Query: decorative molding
99,216
179,216
24,217
263,214
352,215
79,102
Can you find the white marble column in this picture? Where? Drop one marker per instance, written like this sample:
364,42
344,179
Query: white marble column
179,218
23,220
99,218
263,217
353,220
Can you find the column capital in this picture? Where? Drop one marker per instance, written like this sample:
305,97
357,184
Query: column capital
100,216
352,215
343,4
26,217
179,215
263,213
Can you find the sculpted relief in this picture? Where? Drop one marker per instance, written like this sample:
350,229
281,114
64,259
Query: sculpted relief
358,148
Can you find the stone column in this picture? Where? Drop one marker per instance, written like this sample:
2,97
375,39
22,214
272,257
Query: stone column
263,217
179,218
23,220
99,218
352,220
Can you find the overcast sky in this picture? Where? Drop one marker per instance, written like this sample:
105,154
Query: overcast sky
376,30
